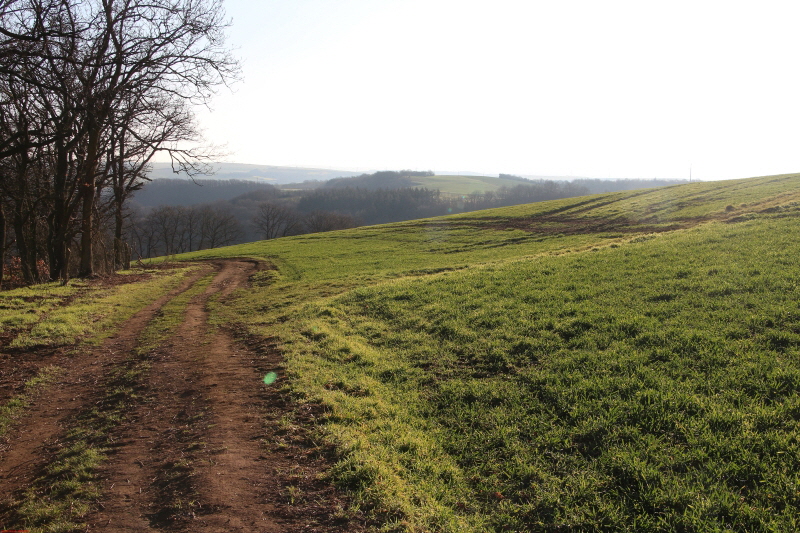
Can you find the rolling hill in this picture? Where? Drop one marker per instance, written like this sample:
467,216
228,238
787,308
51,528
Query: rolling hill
462,185
232,180
617,362
274,175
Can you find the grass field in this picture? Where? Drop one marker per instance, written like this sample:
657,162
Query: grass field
53,314
620,362
464,185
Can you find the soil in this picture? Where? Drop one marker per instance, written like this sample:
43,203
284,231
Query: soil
206,447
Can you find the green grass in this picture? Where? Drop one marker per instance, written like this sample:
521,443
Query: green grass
620,362
608,391
24,307
51,314
12,408
464,185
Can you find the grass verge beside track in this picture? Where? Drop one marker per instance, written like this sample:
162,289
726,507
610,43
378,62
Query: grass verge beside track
621,362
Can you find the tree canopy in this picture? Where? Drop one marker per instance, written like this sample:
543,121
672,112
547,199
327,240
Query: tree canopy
90,91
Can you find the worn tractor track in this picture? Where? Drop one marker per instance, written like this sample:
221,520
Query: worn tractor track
38,435
204,446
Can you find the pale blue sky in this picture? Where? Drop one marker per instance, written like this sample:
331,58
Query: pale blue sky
584,88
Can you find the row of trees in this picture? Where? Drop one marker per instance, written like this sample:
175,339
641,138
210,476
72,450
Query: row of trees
530,192
168,230
275,220
269,213
374,206
90,91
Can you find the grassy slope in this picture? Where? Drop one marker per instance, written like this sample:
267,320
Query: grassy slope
621,362
52,314
464,184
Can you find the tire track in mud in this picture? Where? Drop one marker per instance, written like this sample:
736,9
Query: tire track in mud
37,435
192,458
202,445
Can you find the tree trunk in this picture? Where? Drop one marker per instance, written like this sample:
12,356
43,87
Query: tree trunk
117,166
87,229
57,254
119,244
59,233
2,245
87,216
24,247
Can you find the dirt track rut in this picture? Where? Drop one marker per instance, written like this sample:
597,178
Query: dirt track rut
192,457
35,439
202,449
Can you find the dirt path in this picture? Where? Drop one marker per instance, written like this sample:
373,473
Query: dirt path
207,447
198,456
193,454
33,441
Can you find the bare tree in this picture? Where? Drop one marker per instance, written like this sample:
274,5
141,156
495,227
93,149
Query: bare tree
138,134
274,220
143,233
319,221
167,223
157,51
95,88
219,228
168,230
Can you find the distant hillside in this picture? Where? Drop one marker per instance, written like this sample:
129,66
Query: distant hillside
261,173
470,184
601,186
448,183
617,362
165,212
464,184
186,192
387,179
166,189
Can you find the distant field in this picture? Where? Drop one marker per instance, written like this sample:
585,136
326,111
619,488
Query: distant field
618,362
464,184
261,173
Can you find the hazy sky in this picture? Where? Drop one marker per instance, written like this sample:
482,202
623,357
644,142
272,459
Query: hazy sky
633,89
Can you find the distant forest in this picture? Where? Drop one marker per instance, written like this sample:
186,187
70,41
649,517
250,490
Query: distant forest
170,216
